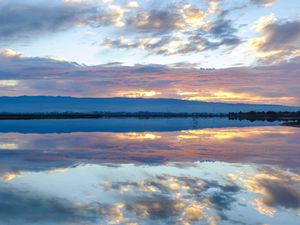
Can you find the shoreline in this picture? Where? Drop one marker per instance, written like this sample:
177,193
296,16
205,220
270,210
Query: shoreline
287,117
30,116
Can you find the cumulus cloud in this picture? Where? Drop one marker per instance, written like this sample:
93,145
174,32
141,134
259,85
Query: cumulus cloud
219,33
192,16
167,30
178,30
180,193
161,198
153,21
279,40
174,28
276,188
165,45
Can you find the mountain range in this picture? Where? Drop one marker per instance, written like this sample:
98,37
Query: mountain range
44,104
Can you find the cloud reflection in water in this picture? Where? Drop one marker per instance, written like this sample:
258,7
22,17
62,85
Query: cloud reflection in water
132,178
276,145
174,193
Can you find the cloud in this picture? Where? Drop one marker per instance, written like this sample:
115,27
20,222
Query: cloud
279,40
222,28
23,75
18,206
8,176
214,6
31,150
180,30
167,30
10,53
8,83
182,199
168,194
165,45
263,3
113,16
193,17
276,188
13,64
20,20
133,4
153,21
24,21
173,45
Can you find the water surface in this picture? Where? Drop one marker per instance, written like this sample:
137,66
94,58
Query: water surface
212,173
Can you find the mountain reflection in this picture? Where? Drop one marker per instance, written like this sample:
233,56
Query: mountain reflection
122,125
173,193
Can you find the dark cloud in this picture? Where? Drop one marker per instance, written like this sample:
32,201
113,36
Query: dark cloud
24,20
222,28
231,41
20,20
157,31
154,21
14,66
283,191
156,206
222,196
19,206
281,36
279,41
151,197
156,201
196,43
155,68
280,194
221,33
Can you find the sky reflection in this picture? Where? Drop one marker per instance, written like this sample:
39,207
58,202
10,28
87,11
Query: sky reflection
225,175
173,193
276,145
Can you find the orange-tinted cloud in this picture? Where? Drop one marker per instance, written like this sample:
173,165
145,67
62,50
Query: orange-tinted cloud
277,84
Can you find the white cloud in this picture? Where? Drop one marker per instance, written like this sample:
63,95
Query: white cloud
133,4
8,83
10,53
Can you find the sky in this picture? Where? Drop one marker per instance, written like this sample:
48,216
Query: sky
209,50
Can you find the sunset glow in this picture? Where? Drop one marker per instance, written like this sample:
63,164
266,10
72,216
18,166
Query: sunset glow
221,51
146,112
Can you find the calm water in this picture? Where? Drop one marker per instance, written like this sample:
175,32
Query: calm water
130,171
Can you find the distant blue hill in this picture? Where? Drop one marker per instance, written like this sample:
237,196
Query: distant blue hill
35,104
